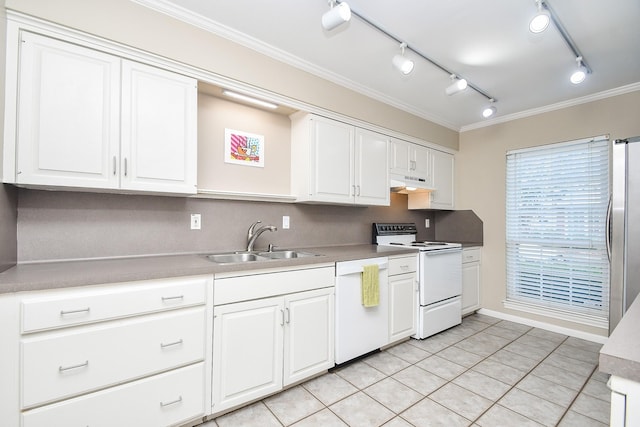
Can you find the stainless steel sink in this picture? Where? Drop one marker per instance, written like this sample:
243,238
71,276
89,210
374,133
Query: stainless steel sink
235,257
285,254
241,257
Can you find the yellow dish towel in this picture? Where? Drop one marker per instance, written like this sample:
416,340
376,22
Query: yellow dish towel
370,286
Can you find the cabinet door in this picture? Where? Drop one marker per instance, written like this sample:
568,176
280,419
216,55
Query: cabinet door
159,130
442,197
420,163
308,334
399,157
372,168
402,306
68,115
470,287
332,161
247,351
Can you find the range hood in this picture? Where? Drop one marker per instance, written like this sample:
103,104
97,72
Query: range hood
404,184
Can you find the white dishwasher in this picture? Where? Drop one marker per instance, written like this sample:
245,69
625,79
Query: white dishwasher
360,329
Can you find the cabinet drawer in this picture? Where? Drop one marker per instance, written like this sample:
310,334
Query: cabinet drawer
62,364
62,308
162,400
471,255
402,265
253,286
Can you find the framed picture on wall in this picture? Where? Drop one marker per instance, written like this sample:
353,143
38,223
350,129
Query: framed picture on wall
243,148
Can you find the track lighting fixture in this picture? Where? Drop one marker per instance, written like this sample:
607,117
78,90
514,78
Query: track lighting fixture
541,20
580,74
490,110
457,85
403,64
336,16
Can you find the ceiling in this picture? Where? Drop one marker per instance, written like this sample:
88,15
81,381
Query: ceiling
486,42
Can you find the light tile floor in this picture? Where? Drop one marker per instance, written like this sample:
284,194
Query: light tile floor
485,372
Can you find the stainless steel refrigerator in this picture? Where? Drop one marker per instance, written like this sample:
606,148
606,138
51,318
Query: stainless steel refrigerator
624,223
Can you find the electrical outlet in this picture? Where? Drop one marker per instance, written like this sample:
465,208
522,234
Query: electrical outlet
196,222
426,223
285,222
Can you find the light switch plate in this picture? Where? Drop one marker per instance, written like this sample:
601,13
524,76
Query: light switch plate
426,223
285,222
196,221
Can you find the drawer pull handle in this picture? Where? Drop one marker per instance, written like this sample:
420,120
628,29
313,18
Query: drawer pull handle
67,312
171,344
173,402
404,267
165,299
68,368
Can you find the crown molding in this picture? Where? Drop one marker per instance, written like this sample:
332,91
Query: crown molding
554,107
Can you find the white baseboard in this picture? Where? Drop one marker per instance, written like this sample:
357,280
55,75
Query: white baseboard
543,325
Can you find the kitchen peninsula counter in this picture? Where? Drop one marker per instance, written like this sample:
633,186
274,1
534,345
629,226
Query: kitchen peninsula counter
620,355
66,274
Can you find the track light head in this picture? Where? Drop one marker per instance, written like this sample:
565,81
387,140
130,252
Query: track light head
336,16
541,20
457,86
489,110
403,64
580,74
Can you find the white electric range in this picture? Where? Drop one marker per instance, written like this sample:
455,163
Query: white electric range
439,276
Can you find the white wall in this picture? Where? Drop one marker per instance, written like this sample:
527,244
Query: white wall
480,169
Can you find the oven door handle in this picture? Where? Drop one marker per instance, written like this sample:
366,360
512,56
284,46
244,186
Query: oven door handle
433,252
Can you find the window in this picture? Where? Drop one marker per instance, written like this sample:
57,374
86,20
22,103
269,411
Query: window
557,199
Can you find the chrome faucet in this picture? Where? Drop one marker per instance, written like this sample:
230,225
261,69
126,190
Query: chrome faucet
253,234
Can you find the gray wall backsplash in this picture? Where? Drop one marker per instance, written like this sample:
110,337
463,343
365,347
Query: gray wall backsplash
8,230
459,226
59,225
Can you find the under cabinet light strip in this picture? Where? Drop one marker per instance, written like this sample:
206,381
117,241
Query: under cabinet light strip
421,55
249,99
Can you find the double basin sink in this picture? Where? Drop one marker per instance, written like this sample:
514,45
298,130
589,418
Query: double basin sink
243,256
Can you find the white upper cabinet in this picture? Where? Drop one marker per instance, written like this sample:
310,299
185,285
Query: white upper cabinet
68,115
333,162
88,119
371,168
442,197
159,130
411,160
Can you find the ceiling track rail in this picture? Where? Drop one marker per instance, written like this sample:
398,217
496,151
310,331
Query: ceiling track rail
420,54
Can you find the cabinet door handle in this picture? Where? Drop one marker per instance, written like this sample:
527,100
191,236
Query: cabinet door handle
125,166
288,315
358,190
281,317
115,165
171,344
62,369
173,402
165,299
353,190
67,312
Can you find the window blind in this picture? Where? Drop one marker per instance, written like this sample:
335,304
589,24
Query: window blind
557,199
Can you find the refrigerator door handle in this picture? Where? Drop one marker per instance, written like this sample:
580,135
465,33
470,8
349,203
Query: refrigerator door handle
608,227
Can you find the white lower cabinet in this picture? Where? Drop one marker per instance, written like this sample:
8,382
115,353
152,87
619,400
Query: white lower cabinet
471,279
625,402
263,345
117,354
403,297
161,400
